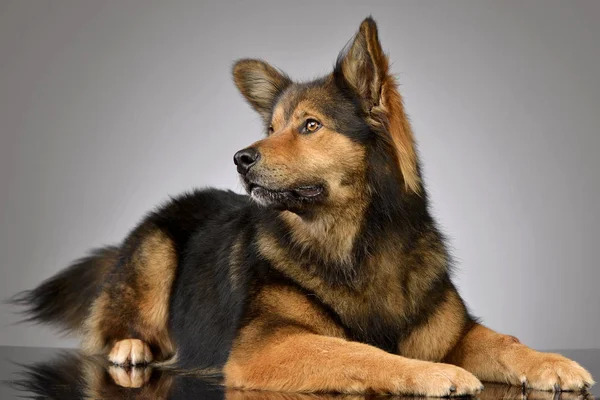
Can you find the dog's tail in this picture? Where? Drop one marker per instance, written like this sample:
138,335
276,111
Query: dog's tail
64,300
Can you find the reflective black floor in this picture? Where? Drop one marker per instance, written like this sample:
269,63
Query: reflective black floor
43,373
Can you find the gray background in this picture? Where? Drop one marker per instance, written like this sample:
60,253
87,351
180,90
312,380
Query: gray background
106,108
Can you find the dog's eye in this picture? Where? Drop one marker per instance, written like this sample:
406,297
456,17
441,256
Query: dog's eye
311,125
271,130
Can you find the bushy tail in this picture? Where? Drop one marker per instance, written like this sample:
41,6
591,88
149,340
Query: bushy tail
64,300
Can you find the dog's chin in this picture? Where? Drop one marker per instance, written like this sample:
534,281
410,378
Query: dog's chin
294,199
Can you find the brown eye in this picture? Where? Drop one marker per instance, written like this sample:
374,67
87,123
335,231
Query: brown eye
311,125
271,130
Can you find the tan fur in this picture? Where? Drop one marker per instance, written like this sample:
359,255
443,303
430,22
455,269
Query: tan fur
333,235
143,303
365,65
270,248
401,133
157,260
394,265
501,358
236,394
433,340
385,286
366,68
93,339
291,159
287,303
294,359
267,83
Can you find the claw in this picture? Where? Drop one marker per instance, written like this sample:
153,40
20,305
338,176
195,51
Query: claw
557,388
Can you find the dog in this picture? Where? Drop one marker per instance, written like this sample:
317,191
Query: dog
329,276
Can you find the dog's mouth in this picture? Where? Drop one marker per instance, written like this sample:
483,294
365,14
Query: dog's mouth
287,197
308,192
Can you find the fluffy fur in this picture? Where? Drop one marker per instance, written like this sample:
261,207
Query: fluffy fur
330,276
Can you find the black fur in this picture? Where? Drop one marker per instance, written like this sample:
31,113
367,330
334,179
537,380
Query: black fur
208,307
64,300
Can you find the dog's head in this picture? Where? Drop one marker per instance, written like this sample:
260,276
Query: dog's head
327,137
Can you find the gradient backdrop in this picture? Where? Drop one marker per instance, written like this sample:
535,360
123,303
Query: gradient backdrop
108,107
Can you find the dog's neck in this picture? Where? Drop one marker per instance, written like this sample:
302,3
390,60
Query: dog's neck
330,236
343,241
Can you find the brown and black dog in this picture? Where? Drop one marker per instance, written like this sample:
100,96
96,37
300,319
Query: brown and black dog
331,276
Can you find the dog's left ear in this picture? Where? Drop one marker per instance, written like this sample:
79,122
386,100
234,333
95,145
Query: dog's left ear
364,67
260,83
363,64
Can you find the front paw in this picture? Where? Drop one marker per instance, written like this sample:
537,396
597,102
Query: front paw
547,371
438,380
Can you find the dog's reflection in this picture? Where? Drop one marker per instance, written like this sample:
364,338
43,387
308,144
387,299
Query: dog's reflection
73,376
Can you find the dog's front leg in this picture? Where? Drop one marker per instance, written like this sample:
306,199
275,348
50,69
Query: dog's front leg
494,357
294,360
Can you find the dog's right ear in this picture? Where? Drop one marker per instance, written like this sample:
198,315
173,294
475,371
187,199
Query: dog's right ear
260,83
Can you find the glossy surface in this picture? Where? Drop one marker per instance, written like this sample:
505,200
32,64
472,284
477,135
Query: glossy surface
63,374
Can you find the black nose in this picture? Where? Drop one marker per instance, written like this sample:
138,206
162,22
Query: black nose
245,159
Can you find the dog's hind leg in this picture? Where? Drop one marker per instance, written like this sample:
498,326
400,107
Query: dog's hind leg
129,319
494,357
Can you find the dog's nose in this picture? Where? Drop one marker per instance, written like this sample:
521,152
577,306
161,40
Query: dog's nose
245,159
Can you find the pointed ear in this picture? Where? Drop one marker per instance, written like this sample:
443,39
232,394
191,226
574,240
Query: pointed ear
260,83
364,67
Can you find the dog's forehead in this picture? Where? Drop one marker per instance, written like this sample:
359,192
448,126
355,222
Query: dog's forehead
308,97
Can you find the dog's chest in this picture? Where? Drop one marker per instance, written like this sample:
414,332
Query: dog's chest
373,312
373,306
